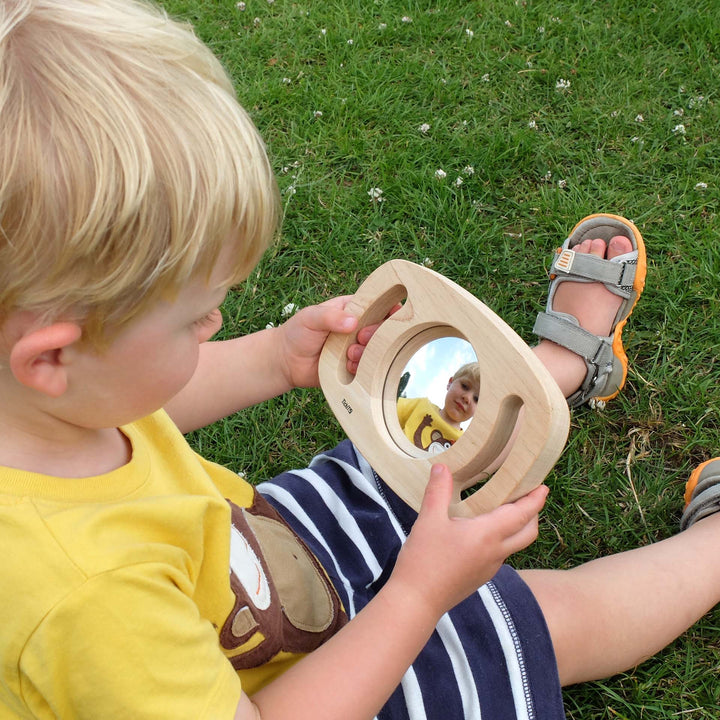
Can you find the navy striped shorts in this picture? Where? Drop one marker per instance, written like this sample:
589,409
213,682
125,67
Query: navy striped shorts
490,657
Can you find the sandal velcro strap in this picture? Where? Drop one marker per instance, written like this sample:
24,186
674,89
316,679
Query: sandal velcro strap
618,276
564,330
597,351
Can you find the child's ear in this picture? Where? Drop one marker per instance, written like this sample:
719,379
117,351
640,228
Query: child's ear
36,358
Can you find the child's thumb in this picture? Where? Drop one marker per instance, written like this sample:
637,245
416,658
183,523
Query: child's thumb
438,492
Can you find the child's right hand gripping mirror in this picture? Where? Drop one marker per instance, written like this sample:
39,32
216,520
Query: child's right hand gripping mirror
521,422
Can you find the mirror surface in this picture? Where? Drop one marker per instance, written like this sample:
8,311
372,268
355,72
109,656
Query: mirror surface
433,411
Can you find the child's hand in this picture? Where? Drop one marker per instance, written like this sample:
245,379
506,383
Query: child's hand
356,350
304,335
446,559
306,332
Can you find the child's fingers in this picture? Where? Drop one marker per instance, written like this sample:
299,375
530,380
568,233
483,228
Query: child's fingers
365,333
517,522
438,492
534,501
518,513
331,316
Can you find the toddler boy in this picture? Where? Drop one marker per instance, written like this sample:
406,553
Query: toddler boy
140,580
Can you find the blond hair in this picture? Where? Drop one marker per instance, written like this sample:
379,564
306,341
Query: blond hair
126,162
469,371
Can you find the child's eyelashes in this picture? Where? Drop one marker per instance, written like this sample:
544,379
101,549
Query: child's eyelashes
207,320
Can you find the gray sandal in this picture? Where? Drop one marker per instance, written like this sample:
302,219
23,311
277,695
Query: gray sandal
624,276
702,493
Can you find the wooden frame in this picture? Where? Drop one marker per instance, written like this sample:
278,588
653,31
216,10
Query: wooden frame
516,390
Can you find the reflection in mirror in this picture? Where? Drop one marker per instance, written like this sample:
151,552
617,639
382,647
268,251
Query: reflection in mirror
437,393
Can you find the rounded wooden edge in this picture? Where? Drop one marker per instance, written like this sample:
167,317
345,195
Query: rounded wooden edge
373,301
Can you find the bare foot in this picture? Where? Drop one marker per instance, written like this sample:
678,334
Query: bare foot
595,308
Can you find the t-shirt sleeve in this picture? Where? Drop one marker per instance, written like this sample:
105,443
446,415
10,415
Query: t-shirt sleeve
405,407
128,644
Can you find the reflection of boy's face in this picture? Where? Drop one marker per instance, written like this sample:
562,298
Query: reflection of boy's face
460,400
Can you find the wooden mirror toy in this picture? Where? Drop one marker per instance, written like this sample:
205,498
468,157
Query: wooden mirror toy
515,390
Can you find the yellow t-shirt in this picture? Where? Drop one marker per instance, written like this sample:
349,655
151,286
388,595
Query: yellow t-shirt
155,591
424,427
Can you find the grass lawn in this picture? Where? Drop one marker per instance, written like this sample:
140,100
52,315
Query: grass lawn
537,113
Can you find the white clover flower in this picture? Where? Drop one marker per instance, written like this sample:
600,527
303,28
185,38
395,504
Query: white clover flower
256,21
541,29
240,6
440,174
376,195
428,263
424,128
458,181
679,129
286,81
469,32
701,186
241,475
469,170
269,326
270,2
289,309
290,190
323,31
532,125
634,138
548,176
485,77
697,100
562,84
350,41
555,19
406,19
382,26
508,23
562,184
614,113
639,118
317,113
679,112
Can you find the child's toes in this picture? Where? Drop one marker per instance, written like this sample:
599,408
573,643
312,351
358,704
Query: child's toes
619,245
597,248
589,246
